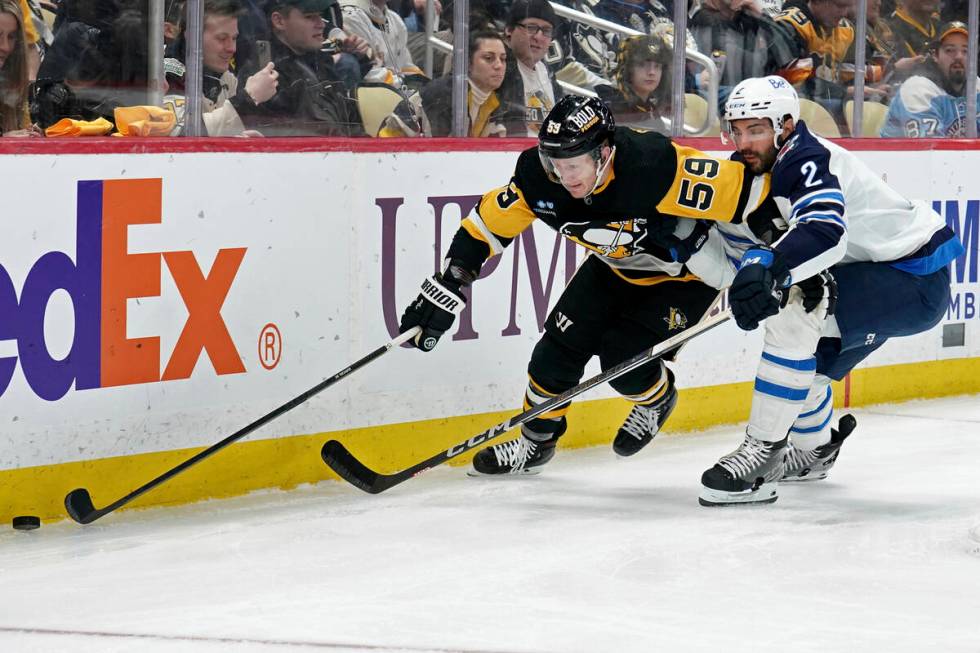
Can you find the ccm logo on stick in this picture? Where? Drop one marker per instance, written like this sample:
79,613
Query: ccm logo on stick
100,280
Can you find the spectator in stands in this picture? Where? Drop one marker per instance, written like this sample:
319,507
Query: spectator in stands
932,103
311,99
487,114
528,82
221,93
914,24
743,41
823,34
641,15
384,32
94,65
14,119
173,12
641,95
413,13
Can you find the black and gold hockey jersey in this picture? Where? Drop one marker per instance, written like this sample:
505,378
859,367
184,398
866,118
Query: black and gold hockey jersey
828,46
651,177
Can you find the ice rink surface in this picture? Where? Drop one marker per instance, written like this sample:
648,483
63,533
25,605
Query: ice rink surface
595,554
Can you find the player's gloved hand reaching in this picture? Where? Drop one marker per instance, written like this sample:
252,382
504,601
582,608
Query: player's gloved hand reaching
687,239
757,291
436,307
681,237
816,289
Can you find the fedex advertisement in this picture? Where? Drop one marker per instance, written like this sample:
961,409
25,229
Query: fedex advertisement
99,279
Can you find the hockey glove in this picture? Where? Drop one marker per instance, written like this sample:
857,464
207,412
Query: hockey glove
435,309
683,248
757,291
816,289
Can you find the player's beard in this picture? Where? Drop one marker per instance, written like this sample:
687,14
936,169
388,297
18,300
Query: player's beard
762,162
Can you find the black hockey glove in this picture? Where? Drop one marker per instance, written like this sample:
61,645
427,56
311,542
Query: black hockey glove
436,307
683,248
758,288
816,289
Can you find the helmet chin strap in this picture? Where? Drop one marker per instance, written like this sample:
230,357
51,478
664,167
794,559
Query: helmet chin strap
600,172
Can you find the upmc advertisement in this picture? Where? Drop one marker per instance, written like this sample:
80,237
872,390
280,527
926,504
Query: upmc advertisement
159,301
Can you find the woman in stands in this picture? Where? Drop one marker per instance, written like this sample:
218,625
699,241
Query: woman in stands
14,118
641,94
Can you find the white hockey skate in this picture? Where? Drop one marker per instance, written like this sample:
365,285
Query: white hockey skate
805,466
749,474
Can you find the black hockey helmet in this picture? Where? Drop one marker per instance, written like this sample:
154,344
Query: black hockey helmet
576,125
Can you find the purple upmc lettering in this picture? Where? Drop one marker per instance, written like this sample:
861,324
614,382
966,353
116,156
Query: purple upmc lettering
24,320
542,285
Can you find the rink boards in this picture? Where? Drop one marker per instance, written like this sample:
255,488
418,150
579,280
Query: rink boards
156,299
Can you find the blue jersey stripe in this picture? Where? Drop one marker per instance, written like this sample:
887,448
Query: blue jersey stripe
939,257
822,196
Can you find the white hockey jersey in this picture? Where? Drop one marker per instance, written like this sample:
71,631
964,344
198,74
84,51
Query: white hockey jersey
838,211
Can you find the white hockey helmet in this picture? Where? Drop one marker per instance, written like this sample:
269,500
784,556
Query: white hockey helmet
771,98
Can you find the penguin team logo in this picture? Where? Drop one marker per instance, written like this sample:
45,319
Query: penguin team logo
101,279
613,240
675,320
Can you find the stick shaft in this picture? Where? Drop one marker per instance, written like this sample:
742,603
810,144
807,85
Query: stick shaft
260,422
338,458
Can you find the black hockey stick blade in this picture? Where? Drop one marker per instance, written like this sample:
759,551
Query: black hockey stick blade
349,468
79,505
352,470
78,502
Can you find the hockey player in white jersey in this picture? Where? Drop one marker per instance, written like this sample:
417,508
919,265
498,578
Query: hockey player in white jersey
858,264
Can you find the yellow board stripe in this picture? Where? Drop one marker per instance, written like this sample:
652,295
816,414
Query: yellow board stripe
290,461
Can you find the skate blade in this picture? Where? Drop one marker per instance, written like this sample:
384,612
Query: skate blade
766,493
534,471
809,478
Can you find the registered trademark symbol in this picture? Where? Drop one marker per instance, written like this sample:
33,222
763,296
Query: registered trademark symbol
270,346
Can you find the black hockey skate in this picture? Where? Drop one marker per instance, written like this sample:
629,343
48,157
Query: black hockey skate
644,422
520,456
749,474
805,466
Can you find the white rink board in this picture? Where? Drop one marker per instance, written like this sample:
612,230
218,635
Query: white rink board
325,234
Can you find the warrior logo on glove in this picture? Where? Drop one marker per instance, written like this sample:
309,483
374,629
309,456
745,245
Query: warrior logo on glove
436,307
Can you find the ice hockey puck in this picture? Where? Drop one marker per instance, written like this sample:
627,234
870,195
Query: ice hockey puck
26,523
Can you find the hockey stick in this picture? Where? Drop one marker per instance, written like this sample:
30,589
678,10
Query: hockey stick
352,470
78,502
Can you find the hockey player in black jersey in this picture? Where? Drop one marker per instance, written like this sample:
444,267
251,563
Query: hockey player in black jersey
617,192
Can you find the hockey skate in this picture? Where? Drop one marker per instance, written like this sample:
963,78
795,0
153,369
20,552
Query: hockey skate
644,422
520,456
805,466
749,474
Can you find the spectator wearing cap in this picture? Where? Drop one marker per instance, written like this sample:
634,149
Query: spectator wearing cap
222,95
641,95
528,82
311,99
932,103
